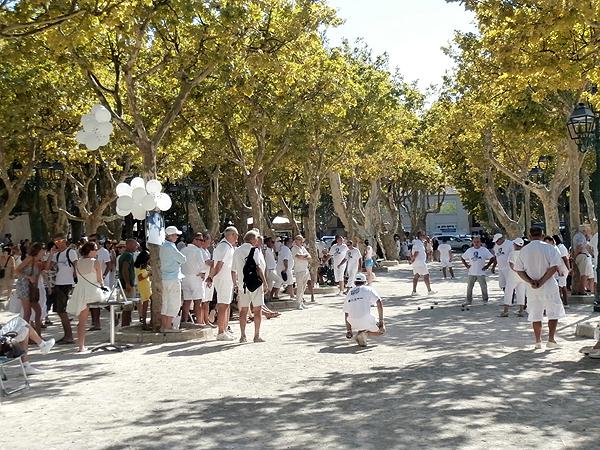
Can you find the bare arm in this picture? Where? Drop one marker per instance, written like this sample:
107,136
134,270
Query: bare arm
99,277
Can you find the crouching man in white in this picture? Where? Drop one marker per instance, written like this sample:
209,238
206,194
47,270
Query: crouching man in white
22,332
357,309
248,269
537,264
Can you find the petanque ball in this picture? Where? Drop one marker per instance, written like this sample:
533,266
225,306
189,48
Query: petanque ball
435,303
431,307
419,308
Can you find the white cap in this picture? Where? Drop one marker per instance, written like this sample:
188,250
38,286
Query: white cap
520,242
496,237
172,230
360,277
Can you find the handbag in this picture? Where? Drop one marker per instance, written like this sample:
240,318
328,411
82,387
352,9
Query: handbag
9,347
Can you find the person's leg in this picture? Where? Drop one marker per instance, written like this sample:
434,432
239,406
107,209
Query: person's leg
83,316
185,311
166,322
415,282
451,272
427,282
470,283
95,313
62,295
552,325
484,292
143,311
26,309
507,298
198,311
537,331
126,316
222,317
369,275
243,320
444,272
257,321
37,309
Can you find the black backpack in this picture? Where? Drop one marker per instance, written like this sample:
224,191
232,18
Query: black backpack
251,279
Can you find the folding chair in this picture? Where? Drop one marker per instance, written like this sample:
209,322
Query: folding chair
4,364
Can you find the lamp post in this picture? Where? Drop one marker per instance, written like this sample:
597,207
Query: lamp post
584,129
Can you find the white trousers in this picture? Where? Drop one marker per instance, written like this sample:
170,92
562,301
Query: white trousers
301,282
519,288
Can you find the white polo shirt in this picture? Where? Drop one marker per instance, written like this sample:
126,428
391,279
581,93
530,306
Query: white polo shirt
285,254
194,260
223,252
339,252
300,264
502,253
270,259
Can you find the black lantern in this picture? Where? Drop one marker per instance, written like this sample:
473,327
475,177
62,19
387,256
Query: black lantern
544,162
50,171
582,126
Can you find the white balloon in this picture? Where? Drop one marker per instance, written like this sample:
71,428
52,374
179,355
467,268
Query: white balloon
81,136
123,212
103,139
149,202
89,123
163,202
138,194
123,189
138,182
93,145
138,211
105,128
102,114
97,107
125,203
153,187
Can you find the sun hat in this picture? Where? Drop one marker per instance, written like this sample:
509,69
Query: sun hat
496,237
172,230
360,278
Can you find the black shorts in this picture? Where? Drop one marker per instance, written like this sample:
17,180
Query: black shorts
61,293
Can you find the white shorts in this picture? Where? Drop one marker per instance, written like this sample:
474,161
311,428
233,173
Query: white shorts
536,305
338,273
224,290
171,298
274,279
562,281
366,323
502,277
446,263
420,269
257,298
208,293
192,287
351,275
584,264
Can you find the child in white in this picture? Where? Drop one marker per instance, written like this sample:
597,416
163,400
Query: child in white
475,259
446,258
357,311
515,286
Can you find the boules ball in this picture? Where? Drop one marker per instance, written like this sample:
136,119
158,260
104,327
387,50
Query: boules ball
431,307
418,308
435,303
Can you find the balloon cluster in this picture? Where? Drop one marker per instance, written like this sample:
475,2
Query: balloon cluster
138,197
96,128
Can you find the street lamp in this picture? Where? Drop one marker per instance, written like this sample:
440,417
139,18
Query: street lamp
584,129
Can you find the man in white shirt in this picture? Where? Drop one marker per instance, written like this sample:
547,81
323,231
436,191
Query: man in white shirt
221,277
475,259
250,292
418,261
103,256
537,265
192,285
357,311
502,249
353,262
339,251
205,244
445,251
64,259
274,281
285,264
515,287
301,262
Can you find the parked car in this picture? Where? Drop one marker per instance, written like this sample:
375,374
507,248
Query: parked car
458,243
329,240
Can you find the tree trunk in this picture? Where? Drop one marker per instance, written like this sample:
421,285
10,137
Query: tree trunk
311,232
289,215
587,195
11,201
195,219
255,196
574,199
495,208
214,222
527,196
549,201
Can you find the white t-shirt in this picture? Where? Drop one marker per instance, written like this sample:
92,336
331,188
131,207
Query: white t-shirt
359,301
64,272
502,253
239,260
445,252
369,252
300,264
205,257
224,252
270,259
103,257
194,260
418,246
511,273
477,257
339,252
285,254
353,258
535,259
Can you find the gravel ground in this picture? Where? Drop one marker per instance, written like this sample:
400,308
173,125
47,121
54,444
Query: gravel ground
440,378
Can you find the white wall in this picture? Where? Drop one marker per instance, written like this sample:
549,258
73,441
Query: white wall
18,226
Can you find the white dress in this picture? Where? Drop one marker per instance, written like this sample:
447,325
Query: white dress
87,290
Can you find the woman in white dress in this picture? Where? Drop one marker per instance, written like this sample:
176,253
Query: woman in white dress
89,288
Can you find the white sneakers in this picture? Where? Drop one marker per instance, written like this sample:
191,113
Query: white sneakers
224,337
30,370
45,346
538,345
549,345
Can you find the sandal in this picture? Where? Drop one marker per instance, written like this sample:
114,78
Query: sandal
349,335
65,341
